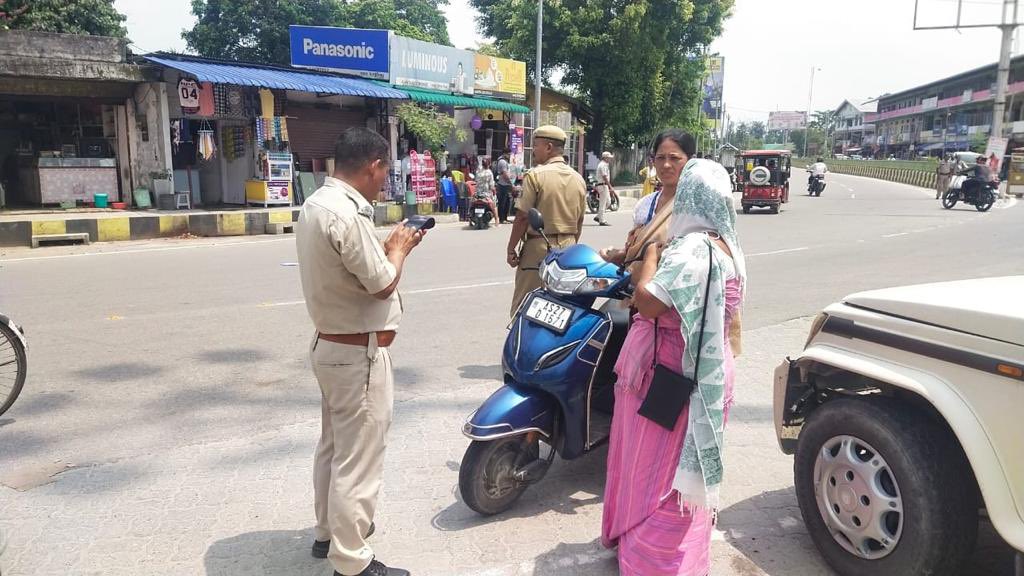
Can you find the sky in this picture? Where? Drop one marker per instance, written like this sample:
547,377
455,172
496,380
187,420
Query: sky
860,48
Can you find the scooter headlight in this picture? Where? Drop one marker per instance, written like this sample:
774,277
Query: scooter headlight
562,281
593,285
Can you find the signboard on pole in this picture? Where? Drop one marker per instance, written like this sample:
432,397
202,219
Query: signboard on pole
499,77
787,120
419,64
350,50
713,83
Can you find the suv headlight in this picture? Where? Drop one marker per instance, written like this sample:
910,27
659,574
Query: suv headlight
562,281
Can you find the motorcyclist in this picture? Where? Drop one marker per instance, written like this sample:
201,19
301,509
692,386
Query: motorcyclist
980,175
817,169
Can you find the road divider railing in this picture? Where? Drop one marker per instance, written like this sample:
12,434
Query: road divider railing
923,176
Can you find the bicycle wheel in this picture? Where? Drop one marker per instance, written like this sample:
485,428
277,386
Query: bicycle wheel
13,366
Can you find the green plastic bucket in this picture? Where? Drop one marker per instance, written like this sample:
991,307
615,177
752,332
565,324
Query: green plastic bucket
100,200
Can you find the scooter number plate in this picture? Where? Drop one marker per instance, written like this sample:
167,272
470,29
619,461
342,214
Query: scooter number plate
479,211
548,313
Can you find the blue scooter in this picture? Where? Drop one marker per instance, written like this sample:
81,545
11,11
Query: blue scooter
558,365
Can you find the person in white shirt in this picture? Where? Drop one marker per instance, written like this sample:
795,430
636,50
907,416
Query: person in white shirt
817,169
604,186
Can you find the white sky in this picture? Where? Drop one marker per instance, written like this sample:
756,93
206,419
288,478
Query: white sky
863,48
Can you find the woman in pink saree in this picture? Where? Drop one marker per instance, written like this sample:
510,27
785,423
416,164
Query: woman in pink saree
661,497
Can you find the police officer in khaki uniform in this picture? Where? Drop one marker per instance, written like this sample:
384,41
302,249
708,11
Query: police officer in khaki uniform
559,193
350,283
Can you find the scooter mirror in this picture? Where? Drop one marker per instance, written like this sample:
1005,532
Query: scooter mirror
536,219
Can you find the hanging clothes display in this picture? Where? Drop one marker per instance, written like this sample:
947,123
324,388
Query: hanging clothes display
206,105
207,147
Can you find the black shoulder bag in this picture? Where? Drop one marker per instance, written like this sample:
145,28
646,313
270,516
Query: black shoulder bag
670,391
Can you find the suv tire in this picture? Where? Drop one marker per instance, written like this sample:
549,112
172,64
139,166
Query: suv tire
900,452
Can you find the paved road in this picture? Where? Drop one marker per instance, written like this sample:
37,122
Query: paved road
170,415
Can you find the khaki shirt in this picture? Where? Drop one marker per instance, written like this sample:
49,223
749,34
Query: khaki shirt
559,193
342,263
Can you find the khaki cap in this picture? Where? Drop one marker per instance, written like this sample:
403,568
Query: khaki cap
550,132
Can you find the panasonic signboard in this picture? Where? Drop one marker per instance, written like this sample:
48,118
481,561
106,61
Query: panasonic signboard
350,50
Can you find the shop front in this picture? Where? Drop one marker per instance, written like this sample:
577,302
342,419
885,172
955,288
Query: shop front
259,135
68,109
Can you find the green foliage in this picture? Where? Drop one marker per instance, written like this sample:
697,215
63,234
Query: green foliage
89,17
489,49
431,126
626,178
257,31
639,64
979,142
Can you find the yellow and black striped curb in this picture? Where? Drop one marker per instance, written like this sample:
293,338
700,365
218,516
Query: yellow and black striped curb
144,227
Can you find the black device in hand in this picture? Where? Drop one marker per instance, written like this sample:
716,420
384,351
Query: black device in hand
420,222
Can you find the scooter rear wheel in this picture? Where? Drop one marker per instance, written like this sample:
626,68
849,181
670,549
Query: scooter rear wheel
487,475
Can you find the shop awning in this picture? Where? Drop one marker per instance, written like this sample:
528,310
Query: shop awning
280,78
463,101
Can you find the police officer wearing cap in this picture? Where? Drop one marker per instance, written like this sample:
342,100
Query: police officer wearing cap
559,193
350,281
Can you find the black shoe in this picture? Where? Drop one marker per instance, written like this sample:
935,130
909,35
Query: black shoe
596,219
379,569
322,547
605,224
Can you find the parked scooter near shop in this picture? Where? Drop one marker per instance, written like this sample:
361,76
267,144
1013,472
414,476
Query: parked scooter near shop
557,362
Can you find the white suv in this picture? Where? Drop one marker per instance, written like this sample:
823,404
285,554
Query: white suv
905,412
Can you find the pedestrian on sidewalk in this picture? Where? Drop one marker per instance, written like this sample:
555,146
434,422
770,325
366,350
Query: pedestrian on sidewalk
944,174
560,194
503,178
649,176
662,492
350,283
604,186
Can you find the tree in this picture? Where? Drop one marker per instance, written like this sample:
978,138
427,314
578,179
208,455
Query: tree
419,19
638,64
257,31
90,17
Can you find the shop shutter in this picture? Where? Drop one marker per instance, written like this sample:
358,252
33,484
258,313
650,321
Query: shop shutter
313,131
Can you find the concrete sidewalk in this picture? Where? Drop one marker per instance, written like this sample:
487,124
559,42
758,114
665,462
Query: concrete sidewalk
17,228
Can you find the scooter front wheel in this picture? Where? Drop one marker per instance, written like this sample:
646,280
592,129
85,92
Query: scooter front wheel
487,476
949,199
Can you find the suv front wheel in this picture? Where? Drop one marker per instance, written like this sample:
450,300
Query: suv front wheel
884,490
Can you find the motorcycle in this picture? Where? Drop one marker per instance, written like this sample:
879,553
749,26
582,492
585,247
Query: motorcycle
13,362
816,185
594,198
558,362
480,214
982,197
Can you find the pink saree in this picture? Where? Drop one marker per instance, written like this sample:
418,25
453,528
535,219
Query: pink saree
642,515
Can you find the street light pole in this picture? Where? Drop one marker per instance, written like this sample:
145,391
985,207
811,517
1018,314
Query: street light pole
807,119
537,74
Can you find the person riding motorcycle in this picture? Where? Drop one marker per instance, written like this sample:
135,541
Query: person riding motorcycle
817,169
980,175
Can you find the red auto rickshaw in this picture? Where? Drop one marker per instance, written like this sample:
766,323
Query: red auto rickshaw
765,181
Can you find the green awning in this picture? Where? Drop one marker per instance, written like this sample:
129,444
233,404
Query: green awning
462,101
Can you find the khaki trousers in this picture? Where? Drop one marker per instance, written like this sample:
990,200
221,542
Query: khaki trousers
530,257
604,195
357,399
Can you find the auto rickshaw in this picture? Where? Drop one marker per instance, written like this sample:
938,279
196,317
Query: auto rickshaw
765,181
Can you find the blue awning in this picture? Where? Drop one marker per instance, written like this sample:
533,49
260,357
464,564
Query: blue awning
280,78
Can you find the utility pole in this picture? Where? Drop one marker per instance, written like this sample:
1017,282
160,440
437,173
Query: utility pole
1008,28
537,74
